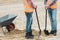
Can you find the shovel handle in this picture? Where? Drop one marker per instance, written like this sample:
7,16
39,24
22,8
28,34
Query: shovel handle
38,22
45,19
37,18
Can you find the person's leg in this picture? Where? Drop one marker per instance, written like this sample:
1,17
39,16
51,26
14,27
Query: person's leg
54,21
29,21
52,15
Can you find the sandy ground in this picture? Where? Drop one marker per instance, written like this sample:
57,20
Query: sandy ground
16,7
20,35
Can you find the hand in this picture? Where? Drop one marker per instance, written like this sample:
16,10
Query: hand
46,6
34,6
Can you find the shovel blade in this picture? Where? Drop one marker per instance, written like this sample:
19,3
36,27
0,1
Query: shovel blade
39,34
46,32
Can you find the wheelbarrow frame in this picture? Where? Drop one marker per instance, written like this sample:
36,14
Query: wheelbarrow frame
7,20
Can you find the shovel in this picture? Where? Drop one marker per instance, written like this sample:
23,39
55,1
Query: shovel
38,22
45,30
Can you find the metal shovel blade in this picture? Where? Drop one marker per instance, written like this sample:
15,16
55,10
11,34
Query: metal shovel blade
46,32
39,34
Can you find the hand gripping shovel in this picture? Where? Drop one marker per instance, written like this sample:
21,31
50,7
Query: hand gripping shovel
38,23
46,31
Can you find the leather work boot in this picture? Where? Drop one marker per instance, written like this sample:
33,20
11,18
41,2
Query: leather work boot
54,32
29,35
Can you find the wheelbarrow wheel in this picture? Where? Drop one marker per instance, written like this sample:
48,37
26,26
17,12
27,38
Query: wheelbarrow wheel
10,27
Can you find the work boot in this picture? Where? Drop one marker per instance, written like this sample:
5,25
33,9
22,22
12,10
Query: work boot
29,35
54,32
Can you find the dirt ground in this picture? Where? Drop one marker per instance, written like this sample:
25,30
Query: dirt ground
16,7
20,35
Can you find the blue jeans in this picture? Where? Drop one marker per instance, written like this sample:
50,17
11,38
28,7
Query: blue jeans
29,21
52,14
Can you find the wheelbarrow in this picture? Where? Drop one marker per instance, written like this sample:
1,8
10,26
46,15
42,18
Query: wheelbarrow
6,21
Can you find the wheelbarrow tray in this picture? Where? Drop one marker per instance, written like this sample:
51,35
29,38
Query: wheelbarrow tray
7,20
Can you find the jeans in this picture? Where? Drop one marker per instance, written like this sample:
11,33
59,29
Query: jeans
52,15
29,21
